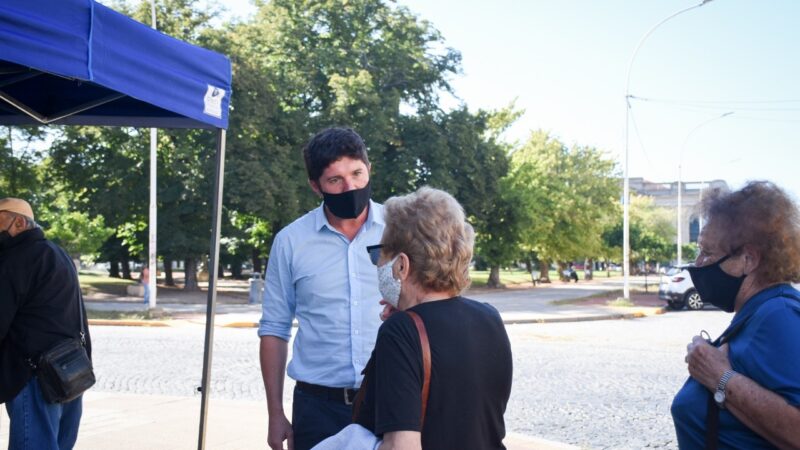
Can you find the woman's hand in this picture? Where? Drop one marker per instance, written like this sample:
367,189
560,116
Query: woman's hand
706,362
388,310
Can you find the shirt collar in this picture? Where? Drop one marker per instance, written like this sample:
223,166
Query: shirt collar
752,305
320,220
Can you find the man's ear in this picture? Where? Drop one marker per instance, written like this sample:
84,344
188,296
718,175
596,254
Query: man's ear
315,187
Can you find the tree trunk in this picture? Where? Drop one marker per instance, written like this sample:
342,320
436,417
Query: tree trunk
113,269
236,270
126,269
220,271
494,277
168,279
561,268
256,261
608,268
588,271
544,271
190,271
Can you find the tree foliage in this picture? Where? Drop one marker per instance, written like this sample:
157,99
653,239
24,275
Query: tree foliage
652,231
300,66
565,195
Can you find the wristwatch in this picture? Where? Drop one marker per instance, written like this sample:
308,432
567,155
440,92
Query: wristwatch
719,395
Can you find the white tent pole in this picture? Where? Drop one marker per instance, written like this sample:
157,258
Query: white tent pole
153,226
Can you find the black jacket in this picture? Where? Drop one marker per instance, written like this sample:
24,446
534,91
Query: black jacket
39,301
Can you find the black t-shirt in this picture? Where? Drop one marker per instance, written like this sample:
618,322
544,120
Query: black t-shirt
470,376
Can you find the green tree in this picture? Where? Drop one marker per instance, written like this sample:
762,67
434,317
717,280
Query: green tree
651,233
564,195
19,162
304,65
80,235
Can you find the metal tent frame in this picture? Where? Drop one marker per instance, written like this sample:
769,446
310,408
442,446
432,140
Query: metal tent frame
77,62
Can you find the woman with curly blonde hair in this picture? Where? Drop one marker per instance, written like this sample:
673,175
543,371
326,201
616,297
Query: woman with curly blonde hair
423,265
744,388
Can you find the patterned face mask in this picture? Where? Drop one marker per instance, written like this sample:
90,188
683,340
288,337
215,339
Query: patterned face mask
388,285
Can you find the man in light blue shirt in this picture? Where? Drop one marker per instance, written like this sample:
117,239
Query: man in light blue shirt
320,273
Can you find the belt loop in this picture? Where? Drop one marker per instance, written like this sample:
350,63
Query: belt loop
347,400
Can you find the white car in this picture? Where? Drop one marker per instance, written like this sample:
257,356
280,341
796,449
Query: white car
677,289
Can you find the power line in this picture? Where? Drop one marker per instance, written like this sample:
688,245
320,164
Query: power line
663,100
703,105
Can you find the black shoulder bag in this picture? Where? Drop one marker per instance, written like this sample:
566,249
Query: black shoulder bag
65,371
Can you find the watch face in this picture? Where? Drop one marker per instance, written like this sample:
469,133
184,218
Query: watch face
719,397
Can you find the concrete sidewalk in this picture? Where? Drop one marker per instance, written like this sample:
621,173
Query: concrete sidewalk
137,422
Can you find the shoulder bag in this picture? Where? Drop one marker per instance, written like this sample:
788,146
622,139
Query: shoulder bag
65,371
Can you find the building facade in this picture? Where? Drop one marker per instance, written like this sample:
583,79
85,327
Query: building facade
665,195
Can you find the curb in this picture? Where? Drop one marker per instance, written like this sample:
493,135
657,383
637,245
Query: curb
613,316
240,325
128,323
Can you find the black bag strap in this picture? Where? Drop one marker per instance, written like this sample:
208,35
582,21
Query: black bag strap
82,334
80,295
712,412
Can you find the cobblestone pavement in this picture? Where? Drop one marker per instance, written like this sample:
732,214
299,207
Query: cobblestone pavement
605,384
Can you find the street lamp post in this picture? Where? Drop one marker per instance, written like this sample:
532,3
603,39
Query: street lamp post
626,247
679,222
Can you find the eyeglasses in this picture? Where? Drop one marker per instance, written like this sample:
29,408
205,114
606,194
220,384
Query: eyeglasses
374,253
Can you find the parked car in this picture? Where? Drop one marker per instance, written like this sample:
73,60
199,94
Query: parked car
677,289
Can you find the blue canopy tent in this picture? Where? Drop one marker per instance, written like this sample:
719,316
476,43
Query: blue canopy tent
77,62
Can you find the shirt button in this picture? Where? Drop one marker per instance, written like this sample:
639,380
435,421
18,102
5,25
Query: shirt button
355,331
355,303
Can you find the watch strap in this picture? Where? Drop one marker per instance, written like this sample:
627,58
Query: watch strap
723,383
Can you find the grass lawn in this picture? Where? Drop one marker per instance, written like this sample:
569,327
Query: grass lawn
93,282
480,277
517,276
122,315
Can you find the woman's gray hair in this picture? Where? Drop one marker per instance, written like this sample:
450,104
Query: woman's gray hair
429,226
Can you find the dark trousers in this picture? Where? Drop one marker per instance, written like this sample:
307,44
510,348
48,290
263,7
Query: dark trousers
315,418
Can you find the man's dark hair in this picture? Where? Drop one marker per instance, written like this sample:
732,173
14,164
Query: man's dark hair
331,145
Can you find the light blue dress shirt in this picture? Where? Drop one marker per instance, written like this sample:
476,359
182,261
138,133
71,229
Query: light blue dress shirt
329,284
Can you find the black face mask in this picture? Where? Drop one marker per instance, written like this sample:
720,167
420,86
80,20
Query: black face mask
348,205
715,286
5,235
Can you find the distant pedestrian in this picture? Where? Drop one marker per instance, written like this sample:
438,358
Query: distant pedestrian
40,306
144,279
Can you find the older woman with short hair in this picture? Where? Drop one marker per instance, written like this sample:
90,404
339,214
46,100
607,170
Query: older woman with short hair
744,388
423,264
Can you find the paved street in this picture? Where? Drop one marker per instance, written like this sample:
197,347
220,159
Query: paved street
603,384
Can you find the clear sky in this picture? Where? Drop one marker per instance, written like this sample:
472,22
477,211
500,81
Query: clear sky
565,61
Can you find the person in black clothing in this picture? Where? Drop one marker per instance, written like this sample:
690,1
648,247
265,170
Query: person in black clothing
423,265
39,307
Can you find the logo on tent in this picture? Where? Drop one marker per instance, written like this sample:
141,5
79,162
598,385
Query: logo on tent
213,101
